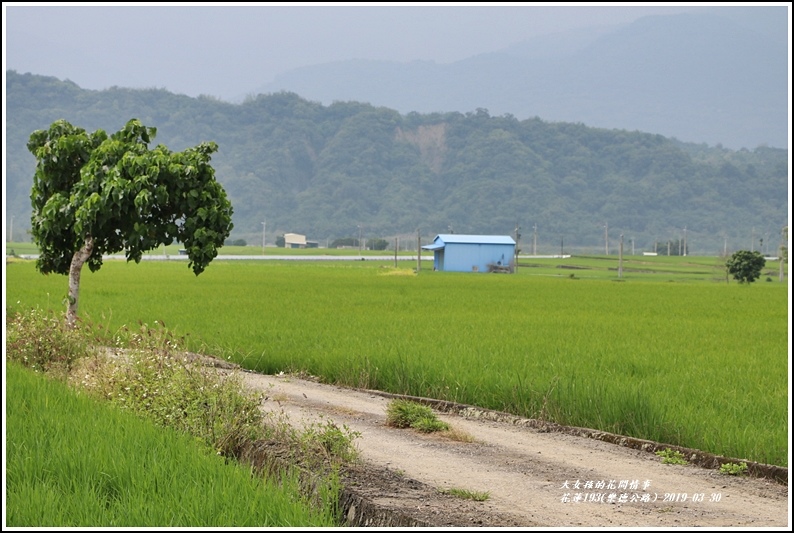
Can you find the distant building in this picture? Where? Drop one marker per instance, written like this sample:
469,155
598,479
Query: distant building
472,253
294,240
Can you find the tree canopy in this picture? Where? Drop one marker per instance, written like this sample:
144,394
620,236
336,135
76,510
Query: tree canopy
745,266
94,195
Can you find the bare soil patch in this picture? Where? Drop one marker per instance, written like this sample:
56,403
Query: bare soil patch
536,475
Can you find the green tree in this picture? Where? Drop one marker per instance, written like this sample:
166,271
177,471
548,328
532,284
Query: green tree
745,266
351,242
94,195
377,244
280,241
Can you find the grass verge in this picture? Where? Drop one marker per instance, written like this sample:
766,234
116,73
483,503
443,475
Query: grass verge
93,475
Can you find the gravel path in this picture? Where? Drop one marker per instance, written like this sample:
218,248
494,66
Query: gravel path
534,477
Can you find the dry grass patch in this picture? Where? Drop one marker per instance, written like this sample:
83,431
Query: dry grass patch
457,434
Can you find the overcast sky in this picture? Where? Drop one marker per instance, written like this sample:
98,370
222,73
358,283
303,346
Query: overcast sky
230,49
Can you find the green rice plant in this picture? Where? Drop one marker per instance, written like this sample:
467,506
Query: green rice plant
74,462
733,469
639,358
671,457
405,413
22,248
465,494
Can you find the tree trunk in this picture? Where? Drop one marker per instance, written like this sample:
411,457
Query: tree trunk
78,260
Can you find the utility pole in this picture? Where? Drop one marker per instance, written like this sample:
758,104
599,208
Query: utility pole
264,230
684,241
418,251
752,241
783,249
359,239
632,246
620,257
535,241
725,246
606,238
518,236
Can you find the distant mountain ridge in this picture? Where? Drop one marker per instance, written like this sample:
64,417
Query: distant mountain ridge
698,77
333,171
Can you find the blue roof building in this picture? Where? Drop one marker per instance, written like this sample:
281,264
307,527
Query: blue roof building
472,253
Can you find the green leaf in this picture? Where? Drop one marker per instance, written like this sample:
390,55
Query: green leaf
142,199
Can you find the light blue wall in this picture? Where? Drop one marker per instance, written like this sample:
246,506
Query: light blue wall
473,257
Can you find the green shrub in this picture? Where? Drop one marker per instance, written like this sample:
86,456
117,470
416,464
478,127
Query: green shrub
405,413
733,469
429,425
330,440
43,342
671,457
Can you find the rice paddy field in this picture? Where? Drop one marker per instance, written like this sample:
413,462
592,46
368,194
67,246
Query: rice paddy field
668,351
75,462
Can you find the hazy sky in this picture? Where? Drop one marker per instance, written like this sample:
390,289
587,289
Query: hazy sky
230,49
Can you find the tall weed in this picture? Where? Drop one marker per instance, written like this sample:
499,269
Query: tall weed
42,341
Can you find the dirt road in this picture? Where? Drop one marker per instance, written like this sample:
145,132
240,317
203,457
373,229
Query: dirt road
534,477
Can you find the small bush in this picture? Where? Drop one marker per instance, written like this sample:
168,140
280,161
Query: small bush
43,341
430,425
672,457
332,441
405,413
318,447
733,469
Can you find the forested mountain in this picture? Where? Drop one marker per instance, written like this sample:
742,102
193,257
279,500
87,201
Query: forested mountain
716,76
323,171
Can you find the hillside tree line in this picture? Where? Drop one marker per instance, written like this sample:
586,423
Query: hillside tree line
350,169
